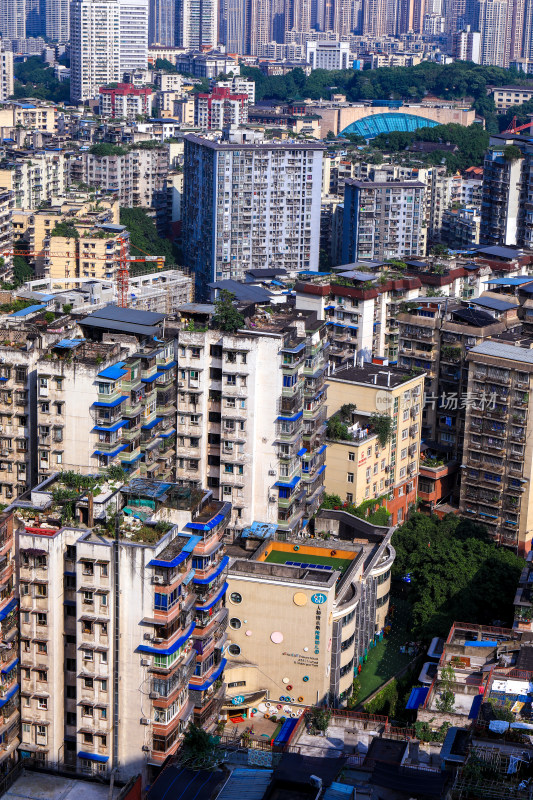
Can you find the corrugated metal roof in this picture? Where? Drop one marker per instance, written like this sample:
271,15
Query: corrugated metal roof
492,302
499,252
243,291
507,351
517,281
124,327
131,315
246,784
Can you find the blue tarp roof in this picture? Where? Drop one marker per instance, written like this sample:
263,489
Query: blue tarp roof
167,651
221,567
152,424
112,428
113,404
493,303
110,453
290,419
8,609
476,705
210,681
153,377
417,697
262,530
24,312
290,485
215,599
7,697
10,666
206,526
167,366
93,757
114,372
69,343
185,551
518,281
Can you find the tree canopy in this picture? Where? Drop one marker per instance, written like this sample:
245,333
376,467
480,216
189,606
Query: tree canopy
457,573
472,142
459,80
34,79
144,236
226,316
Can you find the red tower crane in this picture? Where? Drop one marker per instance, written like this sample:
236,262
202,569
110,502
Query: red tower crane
514,128
122,277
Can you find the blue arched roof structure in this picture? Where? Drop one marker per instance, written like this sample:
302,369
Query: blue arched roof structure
385,123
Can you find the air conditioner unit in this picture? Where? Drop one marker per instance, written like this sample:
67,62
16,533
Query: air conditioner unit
145,748
145,721
145,662
157,579
147,636
387,469
154,695
272,499
270,471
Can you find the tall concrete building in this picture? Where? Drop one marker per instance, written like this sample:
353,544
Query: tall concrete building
375,17
57,20
250,204
383,220
126,583
13,19
108,37
497,460
197,24
10,722
162,23
492,18
255,436
6,74
506,218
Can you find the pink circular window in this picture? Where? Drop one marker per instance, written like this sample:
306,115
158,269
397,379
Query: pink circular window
276,637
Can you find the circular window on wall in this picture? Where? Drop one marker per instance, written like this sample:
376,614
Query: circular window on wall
234,649
235,623
235,597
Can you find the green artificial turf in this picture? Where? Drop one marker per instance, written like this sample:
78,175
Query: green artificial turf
385,660
281,557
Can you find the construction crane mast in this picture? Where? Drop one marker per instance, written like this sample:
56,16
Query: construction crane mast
122,277
514,128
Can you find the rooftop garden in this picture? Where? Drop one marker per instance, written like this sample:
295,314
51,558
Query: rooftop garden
373,510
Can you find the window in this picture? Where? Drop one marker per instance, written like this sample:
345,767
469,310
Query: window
234,649
88,598
88,683
235,597
87,711
87,568
103,713
88,738
88,655
405,433
104,569
349,477
351,456
235,623
349,497
42,703
42,647
41,675
41,619
87,627
403,454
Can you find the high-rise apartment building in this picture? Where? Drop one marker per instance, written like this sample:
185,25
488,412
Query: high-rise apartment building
375,17
123,414
506,218
162,23
383,220
255,436
220,108
126,583
13,19
497,460
34,180
250,204
108,37
57,20
197,24
10,722
492,18
6,74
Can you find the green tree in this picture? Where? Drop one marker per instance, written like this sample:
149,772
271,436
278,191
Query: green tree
456,571
512,153
105,149
320,719
226,316
445,702
144,237
382,424
336,429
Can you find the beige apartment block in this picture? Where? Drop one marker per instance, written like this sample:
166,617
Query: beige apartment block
29,116
326,601
498,453
363,469
34,178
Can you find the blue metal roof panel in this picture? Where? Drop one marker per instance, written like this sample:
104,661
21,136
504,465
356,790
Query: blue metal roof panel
113,404
114,372
24,312
215,599
222,566
210,681
167,651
